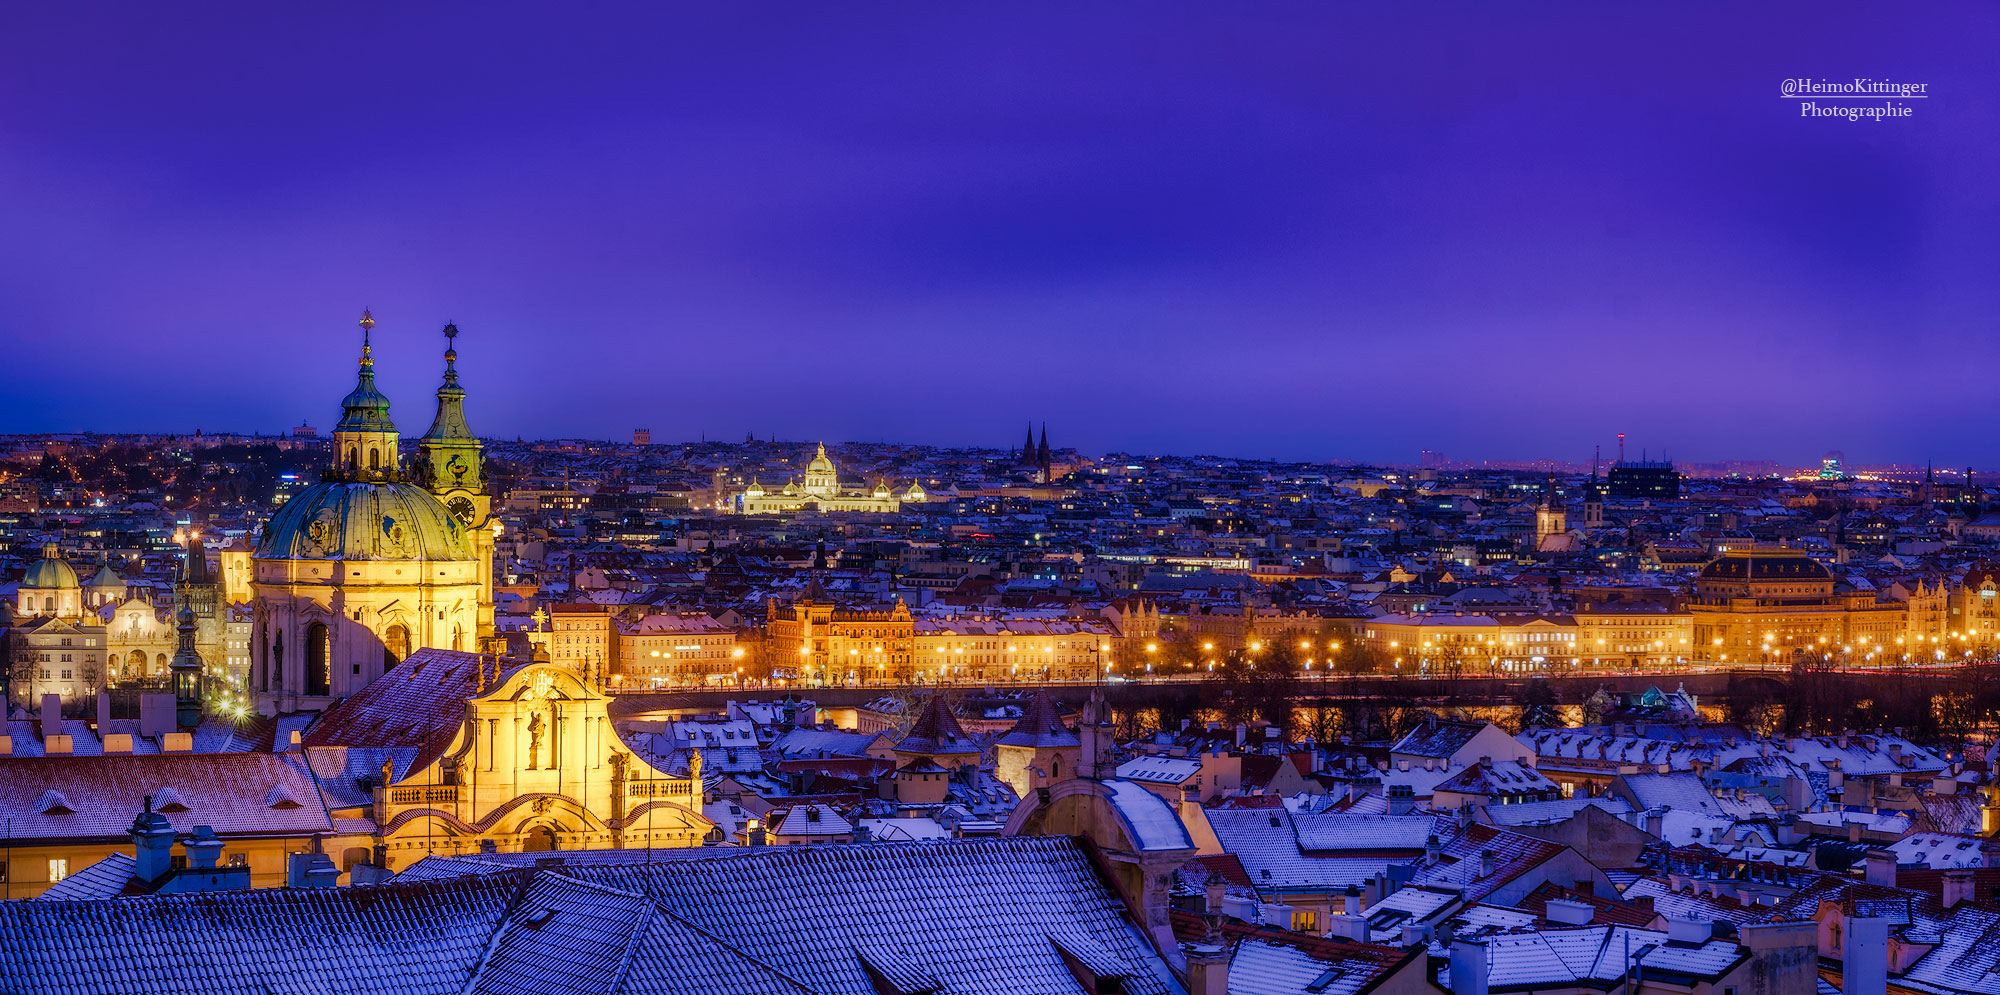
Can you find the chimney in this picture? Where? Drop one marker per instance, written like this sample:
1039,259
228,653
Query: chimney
1207,967
203,850
1958,887
51,716
311,869
1656,820
1881,865
153,846
1214,891
1431,849
1865,956
1468,967
1567,912
1486,863
103,712
1693,931
1348,927
1944,784
1784,957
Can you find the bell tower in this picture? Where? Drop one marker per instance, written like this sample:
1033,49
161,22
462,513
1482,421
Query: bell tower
364,443
451,465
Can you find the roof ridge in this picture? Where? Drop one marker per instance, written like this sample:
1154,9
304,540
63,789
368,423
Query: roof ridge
685,922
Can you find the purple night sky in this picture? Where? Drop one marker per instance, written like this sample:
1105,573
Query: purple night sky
1311,231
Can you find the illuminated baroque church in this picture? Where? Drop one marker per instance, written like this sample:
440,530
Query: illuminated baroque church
375,561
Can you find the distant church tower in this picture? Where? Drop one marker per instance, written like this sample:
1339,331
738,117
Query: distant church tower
1551,519
451,464
1593,499
1033,456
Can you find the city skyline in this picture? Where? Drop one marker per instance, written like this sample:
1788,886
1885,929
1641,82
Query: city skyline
1188,233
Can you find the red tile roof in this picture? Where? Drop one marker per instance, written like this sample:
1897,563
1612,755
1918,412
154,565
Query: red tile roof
234,792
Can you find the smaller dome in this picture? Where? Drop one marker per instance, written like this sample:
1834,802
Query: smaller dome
881,490
755,489
820,464
107,577
51,572
915,493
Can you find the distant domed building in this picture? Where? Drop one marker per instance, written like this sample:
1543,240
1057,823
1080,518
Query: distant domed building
50,587
357,571
820,491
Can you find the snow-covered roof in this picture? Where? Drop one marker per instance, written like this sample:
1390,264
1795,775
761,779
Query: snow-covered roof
1153,821
1159,769
830,920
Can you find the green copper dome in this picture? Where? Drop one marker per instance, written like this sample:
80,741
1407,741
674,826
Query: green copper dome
364,521
51,572
365,409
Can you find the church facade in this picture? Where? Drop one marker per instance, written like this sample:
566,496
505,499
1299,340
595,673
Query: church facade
530,760
358,571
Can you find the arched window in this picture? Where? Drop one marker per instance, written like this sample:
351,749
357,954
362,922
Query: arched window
395,646
458,637
319,676
277,667
374,458
353,458
49,604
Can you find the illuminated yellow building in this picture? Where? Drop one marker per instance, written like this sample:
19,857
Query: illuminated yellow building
357,571
1777,605
529,761
819,491
1458,643
982,648
1634,636
676,648
818,641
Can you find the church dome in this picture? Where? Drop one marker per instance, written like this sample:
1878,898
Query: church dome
364,521
755,489
820,463
51,572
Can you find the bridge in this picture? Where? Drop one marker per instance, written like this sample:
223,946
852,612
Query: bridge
1463,690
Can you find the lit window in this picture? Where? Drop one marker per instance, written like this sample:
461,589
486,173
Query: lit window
58,869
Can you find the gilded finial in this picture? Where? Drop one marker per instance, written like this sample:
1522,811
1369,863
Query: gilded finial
367,327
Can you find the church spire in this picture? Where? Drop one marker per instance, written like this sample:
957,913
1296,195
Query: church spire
450,420
364,442
451,453
186,665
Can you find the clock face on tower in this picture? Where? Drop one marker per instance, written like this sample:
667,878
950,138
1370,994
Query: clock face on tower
461,506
